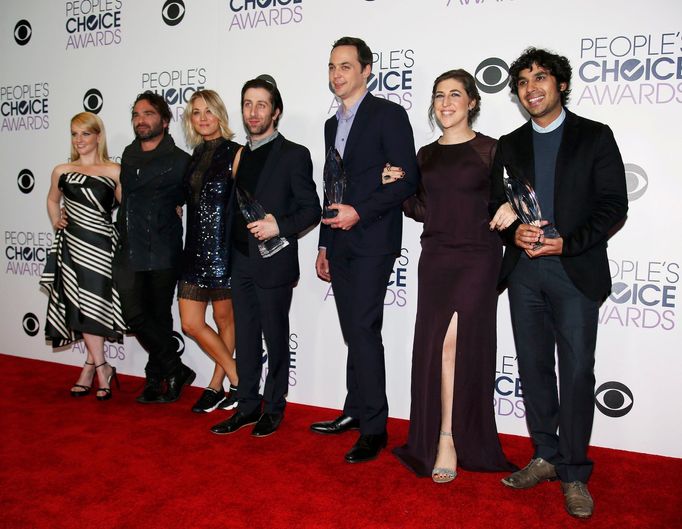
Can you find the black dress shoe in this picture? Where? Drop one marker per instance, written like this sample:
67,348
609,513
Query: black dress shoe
237,421
267,424
367,448
153,389
183,376
341,424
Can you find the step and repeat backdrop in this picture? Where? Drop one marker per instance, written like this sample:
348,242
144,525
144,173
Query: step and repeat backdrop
61,57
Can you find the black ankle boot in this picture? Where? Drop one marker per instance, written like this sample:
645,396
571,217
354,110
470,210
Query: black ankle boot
153,389
183,376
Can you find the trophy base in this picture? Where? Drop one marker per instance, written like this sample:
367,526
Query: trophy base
549,232
330,213
272,246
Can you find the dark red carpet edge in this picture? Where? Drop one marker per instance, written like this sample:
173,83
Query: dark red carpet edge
79,463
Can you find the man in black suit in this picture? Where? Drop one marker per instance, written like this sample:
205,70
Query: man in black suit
359,245
279,175
556,286
149,248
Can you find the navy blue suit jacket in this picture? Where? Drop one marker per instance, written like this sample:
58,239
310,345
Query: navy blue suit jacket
381,133
286,190
590,197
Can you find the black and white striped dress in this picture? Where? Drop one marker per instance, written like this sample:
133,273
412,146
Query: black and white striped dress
78,270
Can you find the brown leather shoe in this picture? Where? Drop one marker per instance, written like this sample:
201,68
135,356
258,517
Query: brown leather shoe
577,498
534,472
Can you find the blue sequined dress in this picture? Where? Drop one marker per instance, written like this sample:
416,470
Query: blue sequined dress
210,196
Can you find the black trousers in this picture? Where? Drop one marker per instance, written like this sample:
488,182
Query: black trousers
359,285
260,313
547,309
146,300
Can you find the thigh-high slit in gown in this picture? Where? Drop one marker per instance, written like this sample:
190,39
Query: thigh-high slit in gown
458,271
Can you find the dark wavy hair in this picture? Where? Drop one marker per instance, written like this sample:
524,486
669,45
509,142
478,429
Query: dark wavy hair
158,102
267,83
469,83
365,57
557,65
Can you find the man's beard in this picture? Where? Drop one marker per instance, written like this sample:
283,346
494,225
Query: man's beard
150,133
259,129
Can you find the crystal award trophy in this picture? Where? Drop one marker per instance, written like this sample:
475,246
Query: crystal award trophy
253,211
521,196
334,181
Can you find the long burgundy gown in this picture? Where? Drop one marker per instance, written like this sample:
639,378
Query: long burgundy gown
458,270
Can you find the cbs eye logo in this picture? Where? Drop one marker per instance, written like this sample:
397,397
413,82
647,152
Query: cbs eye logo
492,75
614,399
26,181
22,32
173,12
636,180
30,324
93,101
180,342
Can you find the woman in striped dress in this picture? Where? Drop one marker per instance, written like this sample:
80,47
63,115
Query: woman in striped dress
83,302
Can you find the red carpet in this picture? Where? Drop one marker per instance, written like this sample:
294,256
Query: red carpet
79,463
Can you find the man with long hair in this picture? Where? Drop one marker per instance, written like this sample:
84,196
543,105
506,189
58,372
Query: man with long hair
150,244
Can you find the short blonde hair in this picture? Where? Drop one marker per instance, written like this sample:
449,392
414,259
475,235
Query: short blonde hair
217,108
92,123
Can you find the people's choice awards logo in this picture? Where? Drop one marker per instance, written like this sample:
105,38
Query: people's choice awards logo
614,399
508,397
636,180
24,106
112,351
30,324
492,75
22,32
641,69
397,288
26,181
175,85
173,12
396,293
92,23
252,14
391,78
26,251
643,294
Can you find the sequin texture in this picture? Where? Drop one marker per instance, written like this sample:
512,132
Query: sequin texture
210,196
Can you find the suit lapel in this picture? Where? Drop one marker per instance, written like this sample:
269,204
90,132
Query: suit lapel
270,164
525,157
330,132
569,142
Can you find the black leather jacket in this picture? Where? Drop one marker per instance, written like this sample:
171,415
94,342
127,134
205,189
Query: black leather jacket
152,184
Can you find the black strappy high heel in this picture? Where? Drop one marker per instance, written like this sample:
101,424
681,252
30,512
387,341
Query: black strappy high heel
107,391
86,389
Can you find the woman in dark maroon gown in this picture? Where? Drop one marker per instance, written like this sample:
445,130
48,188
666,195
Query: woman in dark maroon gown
452,420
